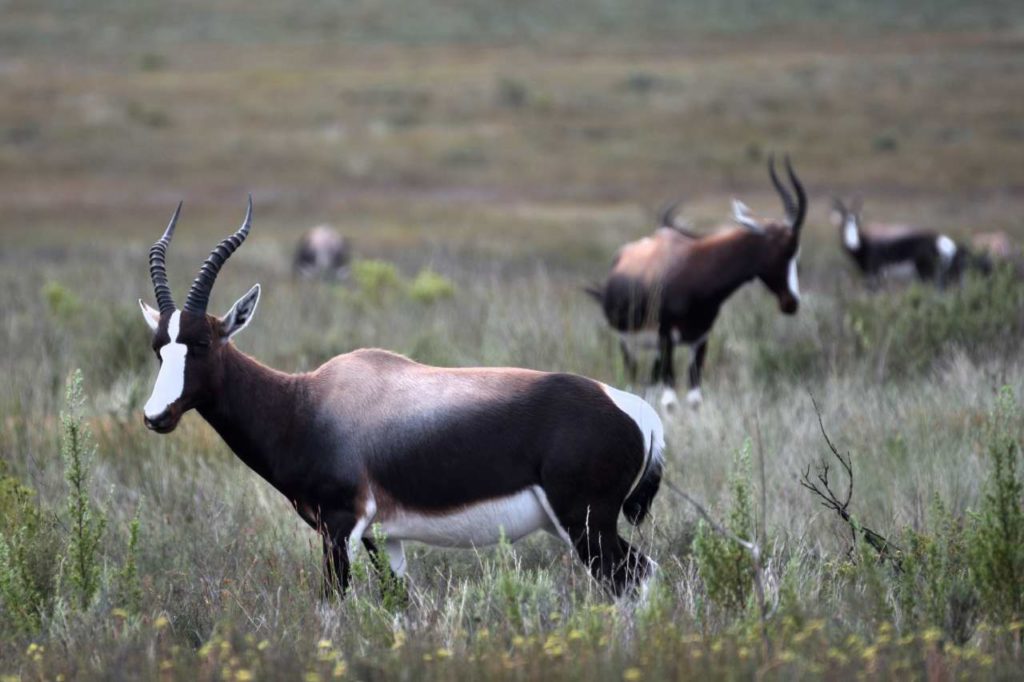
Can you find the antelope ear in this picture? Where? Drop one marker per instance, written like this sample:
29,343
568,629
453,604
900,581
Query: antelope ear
241,313
741,214
151,316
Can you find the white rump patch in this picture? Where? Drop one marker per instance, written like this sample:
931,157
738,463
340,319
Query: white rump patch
791,276
170,380
851,235
947,247
474,525
649,423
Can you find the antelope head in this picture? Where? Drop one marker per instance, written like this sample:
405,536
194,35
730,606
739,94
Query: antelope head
780,248
847,219
189,343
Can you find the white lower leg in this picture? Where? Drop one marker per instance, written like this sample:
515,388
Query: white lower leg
669,399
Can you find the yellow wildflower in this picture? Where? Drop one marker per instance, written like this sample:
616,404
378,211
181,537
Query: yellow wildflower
632,674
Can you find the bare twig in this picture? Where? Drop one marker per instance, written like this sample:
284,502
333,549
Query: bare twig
830,500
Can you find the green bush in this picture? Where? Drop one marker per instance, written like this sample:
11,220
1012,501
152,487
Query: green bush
933,584
904,332
996,538
377,279
430,286
28,549
86,523
62,303
725,567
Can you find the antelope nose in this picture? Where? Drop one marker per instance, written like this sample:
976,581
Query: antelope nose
159,422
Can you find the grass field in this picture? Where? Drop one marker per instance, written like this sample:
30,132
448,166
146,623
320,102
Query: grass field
511,150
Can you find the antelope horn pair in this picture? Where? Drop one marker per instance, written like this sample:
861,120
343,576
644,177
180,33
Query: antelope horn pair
795,209
199,294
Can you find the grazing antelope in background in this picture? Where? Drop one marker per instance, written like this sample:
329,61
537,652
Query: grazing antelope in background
322,252
675,282
877,247
449,457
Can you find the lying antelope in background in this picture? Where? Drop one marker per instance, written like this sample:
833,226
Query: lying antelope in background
322,252
449,457
877,247
674,282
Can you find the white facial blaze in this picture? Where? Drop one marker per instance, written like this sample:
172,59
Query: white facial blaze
791,278
851,235
170,381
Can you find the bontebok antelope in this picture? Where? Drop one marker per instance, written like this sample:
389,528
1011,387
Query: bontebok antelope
450,457
877,248
673,283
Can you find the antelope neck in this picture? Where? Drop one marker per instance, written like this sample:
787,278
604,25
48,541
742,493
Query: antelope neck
255,409
740,261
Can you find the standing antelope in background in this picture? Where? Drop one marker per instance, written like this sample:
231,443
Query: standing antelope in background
878,247
675,282
450,457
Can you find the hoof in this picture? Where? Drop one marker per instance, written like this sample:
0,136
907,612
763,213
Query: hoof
694,398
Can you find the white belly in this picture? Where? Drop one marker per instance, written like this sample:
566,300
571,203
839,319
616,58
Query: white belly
476,525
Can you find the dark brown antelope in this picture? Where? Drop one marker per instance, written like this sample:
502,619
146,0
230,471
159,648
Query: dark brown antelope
674,282
879,249
450,457
322,252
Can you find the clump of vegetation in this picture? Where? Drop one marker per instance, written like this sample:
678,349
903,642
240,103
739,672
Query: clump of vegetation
932,581
377,279
727,567
87,523
380,281
906,331
28,545
62,303
429,286
996,538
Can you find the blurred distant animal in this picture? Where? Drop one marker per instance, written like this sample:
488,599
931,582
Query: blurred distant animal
998,248
673,283
456,457
880,248
322,252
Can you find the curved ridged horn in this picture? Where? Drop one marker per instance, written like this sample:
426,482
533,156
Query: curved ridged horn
795,209
199,294
667,215
796,221
158,266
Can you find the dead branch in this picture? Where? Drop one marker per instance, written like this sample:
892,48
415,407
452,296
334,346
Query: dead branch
822,488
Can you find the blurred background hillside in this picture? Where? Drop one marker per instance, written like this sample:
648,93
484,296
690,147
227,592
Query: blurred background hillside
513,127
